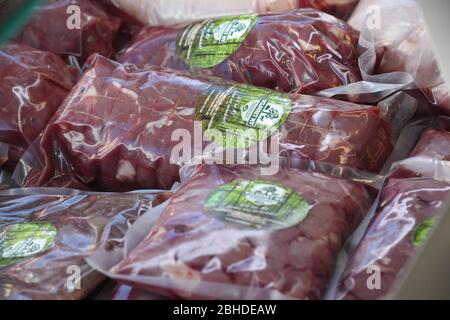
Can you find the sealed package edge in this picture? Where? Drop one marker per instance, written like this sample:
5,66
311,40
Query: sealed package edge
123,128
302,51
33,84
161,12
227,233
46,234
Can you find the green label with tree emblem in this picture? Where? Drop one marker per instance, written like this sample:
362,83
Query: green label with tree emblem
207,43
24,240
242,115
257,204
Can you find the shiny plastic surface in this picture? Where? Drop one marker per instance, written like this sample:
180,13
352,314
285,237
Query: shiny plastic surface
33,84
302,51
83,222
54,28
433,144
190,253
409,203
161,12
114,132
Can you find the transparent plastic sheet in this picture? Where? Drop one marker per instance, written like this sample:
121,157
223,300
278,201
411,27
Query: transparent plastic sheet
55,27
160,12
406,212
435,142
221,254
302,51
395,55
33,84
46,235
123,129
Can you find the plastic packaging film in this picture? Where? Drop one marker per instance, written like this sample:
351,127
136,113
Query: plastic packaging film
302,51
408,209
214,239
160,12
105,138
33,84
45,236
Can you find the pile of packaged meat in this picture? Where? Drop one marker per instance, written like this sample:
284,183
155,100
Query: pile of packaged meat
282,149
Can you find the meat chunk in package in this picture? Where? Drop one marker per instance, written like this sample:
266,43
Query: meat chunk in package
229,233
72,27
302,51
46,235
410,205
33,84
119,128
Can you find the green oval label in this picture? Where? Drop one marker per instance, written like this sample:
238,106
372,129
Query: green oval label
423,231
242,115
257,204
207,43
24,240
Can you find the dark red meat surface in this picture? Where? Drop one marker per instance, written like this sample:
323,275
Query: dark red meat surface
433,144
389,241
48,30
338,8
83,223
33,84
190,253
302,51
114,132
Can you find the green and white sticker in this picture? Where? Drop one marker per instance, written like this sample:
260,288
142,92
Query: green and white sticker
423,231
242,115
24,240
207,43
257,204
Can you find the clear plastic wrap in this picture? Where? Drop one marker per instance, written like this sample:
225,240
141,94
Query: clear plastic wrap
160,12
435,142
408,209
54,28
302,51
46,235
229,233
396,54
33,84
120,128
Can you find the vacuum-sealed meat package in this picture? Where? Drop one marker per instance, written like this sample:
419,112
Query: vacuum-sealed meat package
46,234
302,51
72,27
408,209
33,84
433,144
160,12
229,234
123,129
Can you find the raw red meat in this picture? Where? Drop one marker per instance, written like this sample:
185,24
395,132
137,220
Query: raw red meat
33,84
226,235
75,226
433,144
338,8
114,132
49,31
301,51
406,213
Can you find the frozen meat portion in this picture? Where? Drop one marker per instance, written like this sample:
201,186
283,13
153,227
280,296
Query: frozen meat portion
302,51
72,27
123,129
45,238
229,233
33,84
433,144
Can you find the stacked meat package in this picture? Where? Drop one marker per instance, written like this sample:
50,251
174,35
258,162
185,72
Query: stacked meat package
184,150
